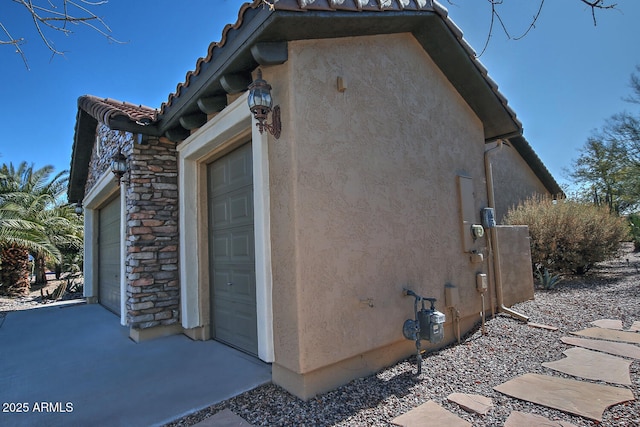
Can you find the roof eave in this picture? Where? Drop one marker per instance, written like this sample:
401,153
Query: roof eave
81,155
525,150
435,32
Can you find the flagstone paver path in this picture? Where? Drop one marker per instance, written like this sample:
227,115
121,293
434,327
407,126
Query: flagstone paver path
593,365
575,397
617,348
608,324
430,413
609,334
472,402
521,419
579,397
224,418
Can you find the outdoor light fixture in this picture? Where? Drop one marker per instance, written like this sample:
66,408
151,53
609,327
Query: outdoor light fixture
260,104
119,166
78,209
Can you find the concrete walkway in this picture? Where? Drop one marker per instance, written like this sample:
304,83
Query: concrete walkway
76,366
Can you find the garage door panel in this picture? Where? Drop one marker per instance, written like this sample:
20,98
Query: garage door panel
232,209
219,213
234,283
236,325
232,254
241,208
109,256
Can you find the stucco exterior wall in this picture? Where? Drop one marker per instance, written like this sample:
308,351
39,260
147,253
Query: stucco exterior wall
513,180
364,196
515,263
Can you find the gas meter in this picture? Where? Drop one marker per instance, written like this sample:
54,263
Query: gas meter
428,324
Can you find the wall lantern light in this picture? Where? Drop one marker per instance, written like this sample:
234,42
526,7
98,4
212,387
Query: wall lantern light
119,166
260,104
78,209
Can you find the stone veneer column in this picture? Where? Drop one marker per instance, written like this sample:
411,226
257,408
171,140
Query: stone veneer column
153,289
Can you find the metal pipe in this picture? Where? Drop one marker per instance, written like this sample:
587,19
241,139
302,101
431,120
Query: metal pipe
492,237
455,314
484,331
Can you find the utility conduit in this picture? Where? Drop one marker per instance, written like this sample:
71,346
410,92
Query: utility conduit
492,237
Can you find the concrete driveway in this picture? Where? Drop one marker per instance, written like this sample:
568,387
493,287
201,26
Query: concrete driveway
76,366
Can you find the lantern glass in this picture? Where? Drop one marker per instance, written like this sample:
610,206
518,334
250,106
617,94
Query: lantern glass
261,103
119,164
259,93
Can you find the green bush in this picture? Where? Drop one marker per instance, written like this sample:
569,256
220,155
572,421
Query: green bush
634,230
568,236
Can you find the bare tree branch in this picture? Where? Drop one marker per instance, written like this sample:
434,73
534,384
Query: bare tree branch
56,15
16,43
597,4
533,21
496,17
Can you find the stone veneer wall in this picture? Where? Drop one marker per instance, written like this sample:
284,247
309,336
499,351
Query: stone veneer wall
153,288
151,198
105,147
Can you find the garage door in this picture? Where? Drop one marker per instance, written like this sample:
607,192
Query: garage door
109,256
231,250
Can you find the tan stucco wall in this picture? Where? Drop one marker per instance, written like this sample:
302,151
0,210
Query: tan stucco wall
364,196
515,263
513,180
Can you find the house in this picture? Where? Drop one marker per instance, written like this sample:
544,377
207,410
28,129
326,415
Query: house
297,249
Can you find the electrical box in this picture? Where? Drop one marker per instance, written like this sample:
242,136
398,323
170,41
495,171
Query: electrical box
477,231
476,257
451,296
482,284
488,217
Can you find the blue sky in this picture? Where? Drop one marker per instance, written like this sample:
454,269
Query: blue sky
563,79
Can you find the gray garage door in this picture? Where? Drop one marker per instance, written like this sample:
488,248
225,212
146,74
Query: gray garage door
231,249
109,256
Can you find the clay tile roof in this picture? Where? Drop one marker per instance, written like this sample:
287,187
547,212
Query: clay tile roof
210,52
107,110
302,6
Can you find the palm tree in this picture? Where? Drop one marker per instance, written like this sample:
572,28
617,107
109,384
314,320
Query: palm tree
33,220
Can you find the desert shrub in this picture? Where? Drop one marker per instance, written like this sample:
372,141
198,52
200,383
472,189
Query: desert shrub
634,230
568,236
547,280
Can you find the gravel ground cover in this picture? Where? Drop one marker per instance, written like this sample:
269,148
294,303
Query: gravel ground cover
35,299
509,349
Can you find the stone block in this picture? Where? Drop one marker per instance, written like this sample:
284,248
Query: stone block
146,281
142,305
141,318
142,255
140,230
163,315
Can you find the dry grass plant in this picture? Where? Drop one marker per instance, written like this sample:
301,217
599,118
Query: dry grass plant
568,236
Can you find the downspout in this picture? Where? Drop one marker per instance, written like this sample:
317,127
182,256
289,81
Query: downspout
492,238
